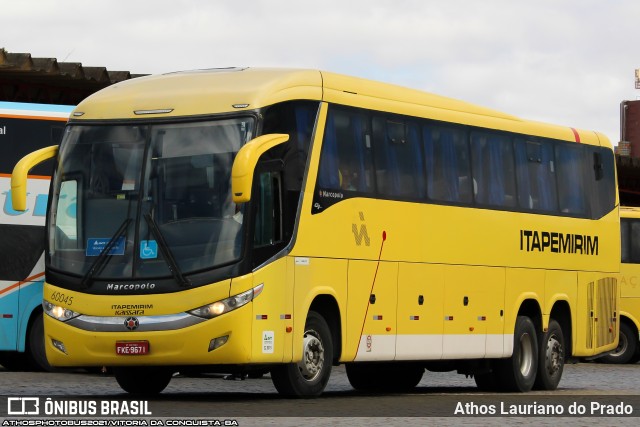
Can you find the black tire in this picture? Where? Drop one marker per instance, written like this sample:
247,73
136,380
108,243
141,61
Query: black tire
36,353
518,373
627,347
362,376
487,381
257,373
387,377
309,377
551,357
14,361
143,380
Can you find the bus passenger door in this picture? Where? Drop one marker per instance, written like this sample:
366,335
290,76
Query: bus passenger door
371,309
272,309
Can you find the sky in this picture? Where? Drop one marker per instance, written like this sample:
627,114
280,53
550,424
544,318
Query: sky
567,62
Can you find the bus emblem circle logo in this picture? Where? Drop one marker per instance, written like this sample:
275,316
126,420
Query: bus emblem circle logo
131,323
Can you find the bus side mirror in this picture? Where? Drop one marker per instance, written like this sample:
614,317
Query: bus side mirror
20,172
246,161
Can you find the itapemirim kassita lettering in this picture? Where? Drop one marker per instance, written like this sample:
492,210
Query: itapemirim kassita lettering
555,242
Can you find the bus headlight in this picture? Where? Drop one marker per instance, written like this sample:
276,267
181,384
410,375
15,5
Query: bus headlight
226,305
60,313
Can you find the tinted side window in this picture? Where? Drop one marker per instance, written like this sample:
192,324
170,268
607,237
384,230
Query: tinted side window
345,161
603,178
24,136
447,161
536,175
571,179
624,240
297,120
398,159
635,242
493,169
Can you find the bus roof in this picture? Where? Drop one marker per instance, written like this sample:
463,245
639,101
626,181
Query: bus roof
212,91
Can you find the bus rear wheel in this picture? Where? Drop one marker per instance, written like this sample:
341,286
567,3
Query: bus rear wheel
550,358
142,380
310,376
518,373
627,347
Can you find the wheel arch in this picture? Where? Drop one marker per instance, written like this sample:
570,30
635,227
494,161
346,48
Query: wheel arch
561,313
531,308
327,306
630,320
29,308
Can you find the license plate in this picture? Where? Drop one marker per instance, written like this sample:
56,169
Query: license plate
132,348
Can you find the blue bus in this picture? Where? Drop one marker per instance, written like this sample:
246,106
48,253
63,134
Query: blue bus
24,127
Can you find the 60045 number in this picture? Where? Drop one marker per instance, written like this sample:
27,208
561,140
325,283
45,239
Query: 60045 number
60,297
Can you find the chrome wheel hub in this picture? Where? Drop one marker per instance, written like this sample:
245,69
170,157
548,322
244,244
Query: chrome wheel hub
526,354
312,356
553,355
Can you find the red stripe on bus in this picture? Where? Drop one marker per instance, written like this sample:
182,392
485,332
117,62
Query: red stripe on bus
48,118
15,285
576,134
8,175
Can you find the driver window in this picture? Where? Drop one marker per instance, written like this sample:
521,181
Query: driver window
268,223
66,216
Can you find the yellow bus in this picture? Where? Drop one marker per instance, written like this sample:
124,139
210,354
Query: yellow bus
628,350
278,220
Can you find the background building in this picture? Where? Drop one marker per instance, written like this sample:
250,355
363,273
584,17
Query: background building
628,153
47,81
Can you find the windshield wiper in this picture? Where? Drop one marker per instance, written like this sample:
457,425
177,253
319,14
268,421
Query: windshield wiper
166,252
102,259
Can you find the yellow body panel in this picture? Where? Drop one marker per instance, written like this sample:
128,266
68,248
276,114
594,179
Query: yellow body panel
185,346
448,281
447,241
630,279
313,277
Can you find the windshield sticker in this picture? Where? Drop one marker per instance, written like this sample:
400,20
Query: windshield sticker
95,246
128,185
148,249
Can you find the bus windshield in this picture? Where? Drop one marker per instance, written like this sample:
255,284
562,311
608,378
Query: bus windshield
132,201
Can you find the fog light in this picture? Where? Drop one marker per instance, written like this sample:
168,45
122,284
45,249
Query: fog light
218,342
59,345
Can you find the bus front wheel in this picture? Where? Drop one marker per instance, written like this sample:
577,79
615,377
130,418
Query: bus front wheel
518,372
37,354
309,377
142,380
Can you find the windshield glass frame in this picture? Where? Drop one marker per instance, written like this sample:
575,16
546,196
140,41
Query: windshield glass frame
142,234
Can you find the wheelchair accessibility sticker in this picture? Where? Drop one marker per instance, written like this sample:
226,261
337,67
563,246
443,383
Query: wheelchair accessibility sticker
148,249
